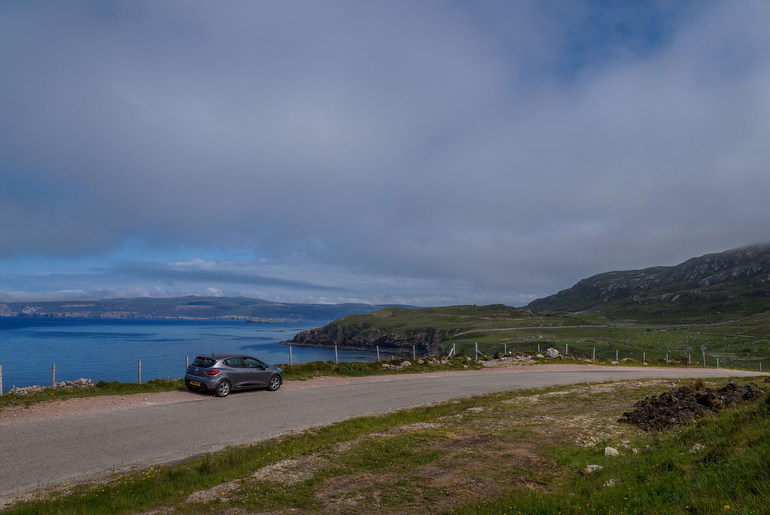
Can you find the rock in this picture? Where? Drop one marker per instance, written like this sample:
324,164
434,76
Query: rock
611,451
695,449
614,362
385,366
421,361
405,364
552,353
635,450
590,469
539,355
465,366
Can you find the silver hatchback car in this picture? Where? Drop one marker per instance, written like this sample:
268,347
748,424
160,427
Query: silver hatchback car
222,373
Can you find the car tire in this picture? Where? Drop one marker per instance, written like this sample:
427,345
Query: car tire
222,388
274,383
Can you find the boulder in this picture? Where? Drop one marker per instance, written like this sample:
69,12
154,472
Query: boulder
611,451
552,353
590,469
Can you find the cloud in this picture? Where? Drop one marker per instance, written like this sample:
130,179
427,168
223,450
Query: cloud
430,151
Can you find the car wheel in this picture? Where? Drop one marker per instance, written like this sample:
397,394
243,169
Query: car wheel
192,388
274,383
223,388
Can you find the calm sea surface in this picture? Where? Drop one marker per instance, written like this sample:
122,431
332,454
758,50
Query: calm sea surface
109,350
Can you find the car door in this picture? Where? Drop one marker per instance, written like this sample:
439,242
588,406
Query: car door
238,374
258,375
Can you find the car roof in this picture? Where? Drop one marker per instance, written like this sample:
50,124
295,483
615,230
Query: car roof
223,355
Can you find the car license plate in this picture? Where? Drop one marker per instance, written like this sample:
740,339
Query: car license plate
195,383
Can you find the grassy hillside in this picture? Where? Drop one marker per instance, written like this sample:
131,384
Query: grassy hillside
425,328
497,329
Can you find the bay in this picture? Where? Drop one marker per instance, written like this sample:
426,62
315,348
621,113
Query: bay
110,349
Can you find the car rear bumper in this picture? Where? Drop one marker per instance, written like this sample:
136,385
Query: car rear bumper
199,383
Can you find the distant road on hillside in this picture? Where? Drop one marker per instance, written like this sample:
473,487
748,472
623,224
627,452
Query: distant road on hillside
50,451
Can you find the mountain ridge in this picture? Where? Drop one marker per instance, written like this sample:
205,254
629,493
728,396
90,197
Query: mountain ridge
189,307
709,287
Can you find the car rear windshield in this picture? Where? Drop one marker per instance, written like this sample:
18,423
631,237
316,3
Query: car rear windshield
204,362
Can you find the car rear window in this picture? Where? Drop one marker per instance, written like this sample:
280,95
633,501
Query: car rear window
202,361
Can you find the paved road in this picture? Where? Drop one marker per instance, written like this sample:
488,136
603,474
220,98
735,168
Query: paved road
40,453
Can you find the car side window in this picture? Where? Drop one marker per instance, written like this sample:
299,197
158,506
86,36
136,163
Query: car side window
252,363
234,362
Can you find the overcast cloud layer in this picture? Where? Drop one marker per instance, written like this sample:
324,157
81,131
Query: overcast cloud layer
427,153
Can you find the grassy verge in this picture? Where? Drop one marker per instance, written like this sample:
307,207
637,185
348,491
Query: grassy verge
514,452
100,388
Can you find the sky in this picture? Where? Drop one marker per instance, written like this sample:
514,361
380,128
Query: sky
390,152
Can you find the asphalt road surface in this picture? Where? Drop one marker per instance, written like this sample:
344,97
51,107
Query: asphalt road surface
39,453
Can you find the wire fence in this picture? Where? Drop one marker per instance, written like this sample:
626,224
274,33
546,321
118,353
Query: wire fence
540,350
608,353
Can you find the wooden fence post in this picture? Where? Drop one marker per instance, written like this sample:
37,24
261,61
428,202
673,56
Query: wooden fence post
140,372
291,361
53,375
336,358
1,377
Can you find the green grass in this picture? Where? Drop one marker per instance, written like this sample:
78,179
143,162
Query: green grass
730,476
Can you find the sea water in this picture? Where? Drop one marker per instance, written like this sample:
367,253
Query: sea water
110,349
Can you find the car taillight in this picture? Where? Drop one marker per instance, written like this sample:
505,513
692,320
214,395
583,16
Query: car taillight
212,372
